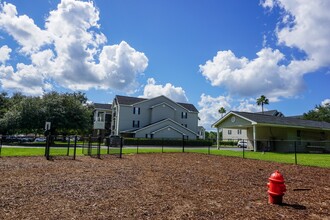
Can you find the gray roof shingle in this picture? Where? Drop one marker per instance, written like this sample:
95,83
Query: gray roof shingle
127,100
102,106
288,121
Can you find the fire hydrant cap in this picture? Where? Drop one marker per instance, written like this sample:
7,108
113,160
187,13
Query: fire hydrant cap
277,177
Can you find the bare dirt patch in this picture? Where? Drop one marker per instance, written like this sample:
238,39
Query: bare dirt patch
158,186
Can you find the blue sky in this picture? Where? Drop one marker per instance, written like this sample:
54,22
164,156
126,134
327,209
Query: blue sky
211,53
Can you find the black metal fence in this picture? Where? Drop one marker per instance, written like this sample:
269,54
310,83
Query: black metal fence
281,146
136,145
0,145
67,149
96,146
295,150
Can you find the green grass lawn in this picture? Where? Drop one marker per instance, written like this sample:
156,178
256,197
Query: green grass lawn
38,151
319,160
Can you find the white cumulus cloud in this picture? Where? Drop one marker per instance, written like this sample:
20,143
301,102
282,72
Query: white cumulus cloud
209,109
263,75
152,90
70,51
4,53
26,79
22,29
325,102
304,26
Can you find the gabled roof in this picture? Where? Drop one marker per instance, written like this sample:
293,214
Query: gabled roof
102,106
127,100
158,122
258,118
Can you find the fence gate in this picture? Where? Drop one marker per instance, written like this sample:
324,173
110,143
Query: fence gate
67,149
95,146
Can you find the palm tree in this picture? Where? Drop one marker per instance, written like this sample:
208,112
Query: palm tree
222,110
262,101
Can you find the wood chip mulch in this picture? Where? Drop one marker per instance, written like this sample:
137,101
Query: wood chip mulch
158,186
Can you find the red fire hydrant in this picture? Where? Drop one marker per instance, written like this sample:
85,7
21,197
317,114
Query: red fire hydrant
276,188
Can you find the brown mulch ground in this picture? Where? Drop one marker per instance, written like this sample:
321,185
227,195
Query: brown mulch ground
158,186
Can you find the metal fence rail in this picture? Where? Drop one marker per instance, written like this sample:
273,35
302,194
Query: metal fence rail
69,149
96,146
294,151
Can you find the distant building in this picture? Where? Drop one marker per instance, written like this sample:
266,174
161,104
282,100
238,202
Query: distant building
275,132
102,119
201,132
158,117
240,133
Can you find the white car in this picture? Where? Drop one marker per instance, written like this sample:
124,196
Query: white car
40,139
242,143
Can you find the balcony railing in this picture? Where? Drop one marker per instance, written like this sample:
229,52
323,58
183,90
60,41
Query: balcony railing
99,125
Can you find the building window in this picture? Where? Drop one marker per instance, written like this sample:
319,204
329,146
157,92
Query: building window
229,132
298,133
184,125
239,131
136,124
184,115
100,116
136,110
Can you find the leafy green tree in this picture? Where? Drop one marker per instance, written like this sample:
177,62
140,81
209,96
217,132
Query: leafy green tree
67,112
222,111
210,135
32,117
262,101
4,103
320,113
9,123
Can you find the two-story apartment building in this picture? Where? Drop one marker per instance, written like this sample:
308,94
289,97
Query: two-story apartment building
158,117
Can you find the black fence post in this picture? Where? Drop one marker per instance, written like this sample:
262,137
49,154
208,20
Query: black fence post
99,148
89,145
137,145
209,150
83,146
47,149
75,147
121,147
0,145
243,147
182,143
162,145
108,145
68,149
295,152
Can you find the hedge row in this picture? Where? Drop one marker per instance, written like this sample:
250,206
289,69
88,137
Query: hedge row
166,142
233,143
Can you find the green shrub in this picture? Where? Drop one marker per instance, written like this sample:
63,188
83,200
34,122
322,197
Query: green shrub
165,142
228,143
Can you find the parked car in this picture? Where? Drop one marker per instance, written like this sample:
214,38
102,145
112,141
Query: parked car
40,139
242,143
23,139
115,140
